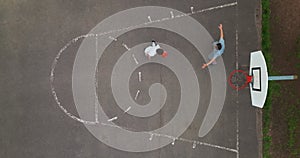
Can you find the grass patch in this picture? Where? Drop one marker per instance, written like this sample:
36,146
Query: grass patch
298,55
273,92
293,116
298,47
274,88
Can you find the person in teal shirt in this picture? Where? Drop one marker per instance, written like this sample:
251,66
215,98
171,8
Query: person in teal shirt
219,48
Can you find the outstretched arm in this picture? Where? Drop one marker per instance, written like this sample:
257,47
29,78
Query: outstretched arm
221,31
205,65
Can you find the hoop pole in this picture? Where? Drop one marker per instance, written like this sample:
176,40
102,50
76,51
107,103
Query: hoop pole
280,78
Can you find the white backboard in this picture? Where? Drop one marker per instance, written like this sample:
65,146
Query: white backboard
259,86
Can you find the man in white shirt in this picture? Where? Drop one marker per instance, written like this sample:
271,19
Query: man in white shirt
154,49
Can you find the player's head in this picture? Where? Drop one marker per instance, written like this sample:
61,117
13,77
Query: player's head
219,46
162,52
159,51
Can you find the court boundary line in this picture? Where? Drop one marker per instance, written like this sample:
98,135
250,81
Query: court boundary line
237,67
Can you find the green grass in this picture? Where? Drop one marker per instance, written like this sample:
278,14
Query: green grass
298,47
293,116
273,92
266,46
298,53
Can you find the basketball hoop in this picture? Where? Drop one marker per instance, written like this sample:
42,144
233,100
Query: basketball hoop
258,78
239,79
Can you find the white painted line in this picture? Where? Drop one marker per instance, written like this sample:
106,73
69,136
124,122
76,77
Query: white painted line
236,49
165,19
237,133
149,18
137,94
211,145
172,15
112,119
67,113
192,10
125,46
112,38
237,91
52,78
151,137
174,139
110,125
96,45
127,109
194,144
140,76
157,134
135,60
96,112
181,15
236,39
220,147
217,7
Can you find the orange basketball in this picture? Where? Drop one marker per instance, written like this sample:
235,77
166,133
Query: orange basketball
165,54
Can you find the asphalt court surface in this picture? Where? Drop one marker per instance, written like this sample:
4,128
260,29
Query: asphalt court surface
34,125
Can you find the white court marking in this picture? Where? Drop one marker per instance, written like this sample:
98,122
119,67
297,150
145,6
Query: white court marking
140,76
125,46
194,142
237,91
135,60
137,95
112,38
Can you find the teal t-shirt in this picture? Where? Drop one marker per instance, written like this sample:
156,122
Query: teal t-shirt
221,51
216,53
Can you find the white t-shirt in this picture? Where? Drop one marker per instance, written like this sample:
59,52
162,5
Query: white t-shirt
151,50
